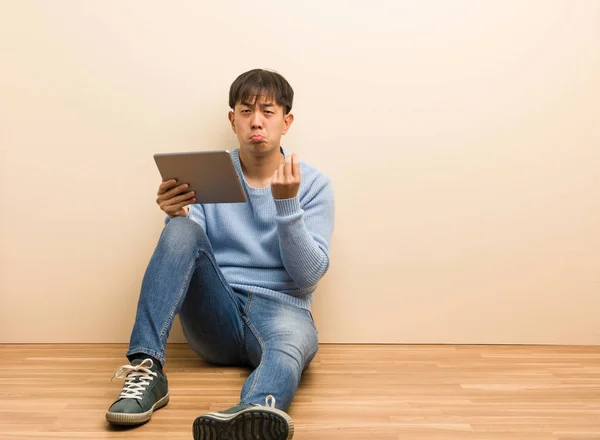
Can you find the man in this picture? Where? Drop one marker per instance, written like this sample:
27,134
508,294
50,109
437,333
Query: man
240,275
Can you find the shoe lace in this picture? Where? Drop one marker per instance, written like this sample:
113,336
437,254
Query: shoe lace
270,401
137,378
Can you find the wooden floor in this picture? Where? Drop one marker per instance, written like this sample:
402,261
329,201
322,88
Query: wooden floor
349,392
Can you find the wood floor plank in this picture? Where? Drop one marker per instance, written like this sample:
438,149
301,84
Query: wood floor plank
383,392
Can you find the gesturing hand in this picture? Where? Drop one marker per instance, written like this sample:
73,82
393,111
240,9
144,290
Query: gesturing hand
286,180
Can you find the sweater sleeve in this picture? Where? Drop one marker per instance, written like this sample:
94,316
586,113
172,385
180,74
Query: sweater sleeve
304,229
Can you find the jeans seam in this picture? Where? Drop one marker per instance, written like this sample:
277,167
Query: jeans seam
167,324
310,358
243,354
250,297
312,321
257,371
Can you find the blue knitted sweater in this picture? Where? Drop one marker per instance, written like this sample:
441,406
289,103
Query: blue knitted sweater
273,247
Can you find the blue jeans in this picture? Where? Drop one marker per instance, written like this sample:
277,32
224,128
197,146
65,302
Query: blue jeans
225,326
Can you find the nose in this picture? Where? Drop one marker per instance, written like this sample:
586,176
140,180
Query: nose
256,121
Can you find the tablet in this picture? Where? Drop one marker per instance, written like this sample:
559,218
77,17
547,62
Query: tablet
211,174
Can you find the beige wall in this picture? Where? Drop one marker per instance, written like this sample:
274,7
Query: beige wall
463,138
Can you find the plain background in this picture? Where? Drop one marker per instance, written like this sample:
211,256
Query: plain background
462,137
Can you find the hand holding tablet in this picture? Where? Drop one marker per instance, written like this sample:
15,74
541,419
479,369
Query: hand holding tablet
197,177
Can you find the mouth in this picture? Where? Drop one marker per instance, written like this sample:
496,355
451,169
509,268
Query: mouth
257,138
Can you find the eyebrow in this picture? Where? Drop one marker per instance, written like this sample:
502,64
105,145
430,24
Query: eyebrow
266,104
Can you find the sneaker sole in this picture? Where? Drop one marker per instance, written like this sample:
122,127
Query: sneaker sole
135,418
248,424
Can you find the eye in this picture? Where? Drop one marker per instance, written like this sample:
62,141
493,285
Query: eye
269,112
245,111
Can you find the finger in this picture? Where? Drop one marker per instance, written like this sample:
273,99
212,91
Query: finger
166,185
173,192
288,169
176,208
295,166
179,199
167,205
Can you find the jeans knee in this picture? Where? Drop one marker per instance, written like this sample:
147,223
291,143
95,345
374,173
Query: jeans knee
296,354
182,234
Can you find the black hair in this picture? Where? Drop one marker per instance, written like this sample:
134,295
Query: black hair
261,82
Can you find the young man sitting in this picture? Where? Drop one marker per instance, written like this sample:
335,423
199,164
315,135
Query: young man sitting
239,275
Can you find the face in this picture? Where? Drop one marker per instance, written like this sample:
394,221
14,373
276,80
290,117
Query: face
260,124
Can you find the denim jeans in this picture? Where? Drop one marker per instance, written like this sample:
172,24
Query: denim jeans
225,326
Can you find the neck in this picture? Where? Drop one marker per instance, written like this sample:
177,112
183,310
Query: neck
259,169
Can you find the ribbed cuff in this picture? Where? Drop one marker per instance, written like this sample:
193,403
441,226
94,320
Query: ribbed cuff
287,207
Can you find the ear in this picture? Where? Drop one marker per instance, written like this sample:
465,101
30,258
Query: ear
232,121
287,122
